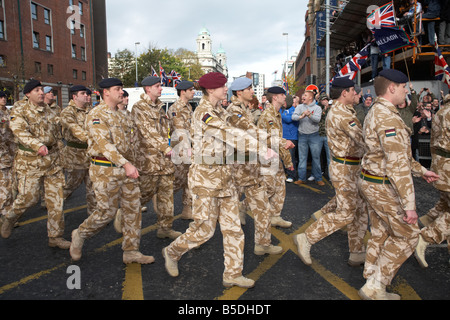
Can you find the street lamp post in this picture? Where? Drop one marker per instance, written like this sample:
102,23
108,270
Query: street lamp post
287,51
137,79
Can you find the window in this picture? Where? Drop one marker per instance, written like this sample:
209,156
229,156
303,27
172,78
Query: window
80,6
47,16
2,61
74,51
36,40
82,31
71,3
83,54
2,29
75,74
83,75
72,29
34,14
50,69
37,67
48,43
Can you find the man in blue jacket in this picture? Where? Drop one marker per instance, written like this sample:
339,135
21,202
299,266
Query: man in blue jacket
290,132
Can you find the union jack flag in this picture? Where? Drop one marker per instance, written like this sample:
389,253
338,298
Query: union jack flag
164,79
442,71
383,17
286,85
355,65
176,77
154,74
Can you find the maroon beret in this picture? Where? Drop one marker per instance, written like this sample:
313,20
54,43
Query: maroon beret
212,80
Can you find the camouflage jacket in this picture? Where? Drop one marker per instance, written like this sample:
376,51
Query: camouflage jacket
180,117
33,127
73,121
388,142
344,132
7,145
440,147
240,117
110,136
152,130
270,121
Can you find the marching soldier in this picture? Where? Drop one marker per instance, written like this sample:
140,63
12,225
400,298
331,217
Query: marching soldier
38,133
387,185
210,181
180,116
7,151
345,139
438,230
153,155
114,177
247,175
76,160
270,121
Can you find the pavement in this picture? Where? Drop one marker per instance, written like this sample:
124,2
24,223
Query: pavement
30,270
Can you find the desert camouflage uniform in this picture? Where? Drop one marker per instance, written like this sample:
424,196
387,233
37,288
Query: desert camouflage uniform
247,176
274,177
439,230
180,116
33,127
346,144
155,169
214,194
7,151
75,158
111,147
389,189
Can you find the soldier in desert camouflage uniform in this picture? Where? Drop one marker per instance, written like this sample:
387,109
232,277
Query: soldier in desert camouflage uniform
75,158
387,185
210,181
274,178
7,151
114,177
247,176
346,144
180,115
438,230
153,155
38,134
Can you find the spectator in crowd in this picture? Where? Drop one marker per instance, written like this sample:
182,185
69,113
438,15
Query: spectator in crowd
324,102
254,109
290,132
422,121
363,108
444,24
435,105
375,55
433,11
408,16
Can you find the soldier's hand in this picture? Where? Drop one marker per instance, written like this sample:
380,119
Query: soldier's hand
430,177
291,168
289,145
131,171
271,154
43,151
169,154
411,217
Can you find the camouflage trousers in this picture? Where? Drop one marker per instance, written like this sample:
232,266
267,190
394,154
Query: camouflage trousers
347,208
74,178
6,192
28,187
330,206
392,240
275,191
113,189
439,230
256,201
206,212
162,186
180,182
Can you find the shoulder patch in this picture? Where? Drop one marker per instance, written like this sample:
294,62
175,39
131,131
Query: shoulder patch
207,118
391,133
271,123
96,121
174,114
352,123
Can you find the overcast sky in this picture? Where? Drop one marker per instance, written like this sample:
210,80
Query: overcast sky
250,31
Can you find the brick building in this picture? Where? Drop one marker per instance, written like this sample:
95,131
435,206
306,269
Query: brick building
55,41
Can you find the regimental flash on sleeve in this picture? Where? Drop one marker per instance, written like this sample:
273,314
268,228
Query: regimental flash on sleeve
96,121
391,133
207,118
352,123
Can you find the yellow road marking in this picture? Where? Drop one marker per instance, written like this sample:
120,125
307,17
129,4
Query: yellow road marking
45,217
132,286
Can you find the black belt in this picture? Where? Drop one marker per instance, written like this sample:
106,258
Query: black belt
442,153
77,145
23,148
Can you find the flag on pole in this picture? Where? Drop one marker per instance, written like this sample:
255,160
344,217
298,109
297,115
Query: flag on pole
176,77
383,17
442,71
162,74
154,73
355,65
286,85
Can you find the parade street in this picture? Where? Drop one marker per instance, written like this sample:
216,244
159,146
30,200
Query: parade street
31,270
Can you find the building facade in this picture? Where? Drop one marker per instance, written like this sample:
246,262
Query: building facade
209,61
55,41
